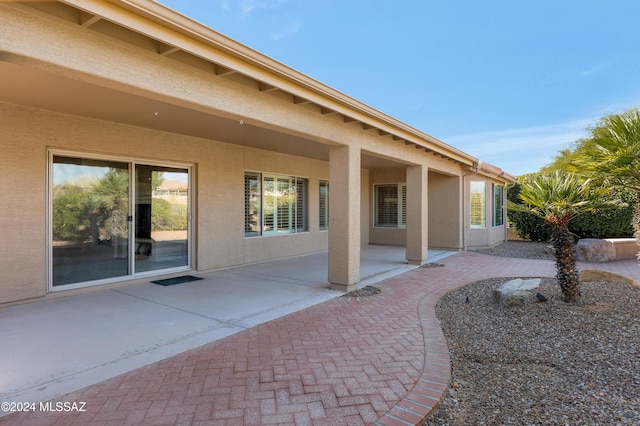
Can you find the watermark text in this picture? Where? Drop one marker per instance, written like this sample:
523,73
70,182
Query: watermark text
49,406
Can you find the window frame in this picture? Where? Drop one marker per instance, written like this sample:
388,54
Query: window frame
252,226
286,217
400,213
132,163
323,205
498,205
481,209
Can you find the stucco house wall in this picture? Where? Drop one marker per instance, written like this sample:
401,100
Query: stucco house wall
218,174
134,81
445,212
380,235
488,235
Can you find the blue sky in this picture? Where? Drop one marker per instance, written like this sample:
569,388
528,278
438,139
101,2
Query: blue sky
508,81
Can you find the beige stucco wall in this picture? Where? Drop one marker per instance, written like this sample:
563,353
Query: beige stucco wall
22,221
490,235
445,212
381,235
485,238
258,249
118,70
365,218
218,173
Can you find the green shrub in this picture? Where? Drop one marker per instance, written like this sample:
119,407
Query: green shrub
526,225
607,223
598,224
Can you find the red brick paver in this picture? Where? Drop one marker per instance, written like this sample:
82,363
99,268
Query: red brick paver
379,360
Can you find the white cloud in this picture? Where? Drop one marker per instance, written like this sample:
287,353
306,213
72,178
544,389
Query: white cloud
249,6
253,10
290,29
525,150
597,69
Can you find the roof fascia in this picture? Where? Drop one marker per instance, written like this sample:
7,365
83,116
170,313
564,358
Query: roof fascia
168,26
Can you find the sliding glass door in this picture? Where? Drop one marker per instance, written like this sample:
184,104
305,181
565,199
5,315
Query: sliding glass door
113,219
162,217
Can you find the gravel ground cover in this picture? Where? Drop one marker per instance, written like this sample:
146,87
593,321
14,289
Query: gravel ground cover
520,249
543,363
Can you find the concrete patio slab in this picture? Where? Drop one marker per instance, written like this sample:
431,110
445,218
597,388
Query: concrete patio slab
61,345
379,360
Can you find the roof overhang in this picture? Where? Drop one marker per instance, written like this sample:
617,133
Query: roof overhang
170,34
175,32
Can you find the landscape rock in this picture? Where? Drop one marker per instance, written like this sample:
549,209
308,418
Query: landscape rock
595,250
516,292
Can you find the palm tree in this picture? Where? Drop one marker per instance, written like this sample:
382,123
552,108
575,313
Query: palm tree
612,155
113,190
558,198
93,207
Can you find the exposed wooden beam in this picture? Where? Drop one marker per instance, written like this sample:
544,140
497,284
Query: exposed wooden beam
222,71
327,111
166,49
264,87
88,19
300,101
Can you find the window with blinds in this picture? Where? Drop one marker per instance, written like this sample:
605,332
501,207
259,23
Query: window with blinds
301,205
274,204
403,205
323,220
252,204
390,205
478,204
498,211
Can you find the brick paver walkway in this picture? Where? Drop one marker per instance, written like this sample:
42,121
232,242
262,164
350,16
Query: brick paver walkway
378,360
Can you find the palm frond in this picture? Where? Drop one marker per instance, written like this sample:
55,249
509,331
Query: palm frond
558,194
613,150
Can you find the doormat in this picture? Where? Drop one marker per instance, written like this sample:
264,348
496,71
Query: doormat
177,280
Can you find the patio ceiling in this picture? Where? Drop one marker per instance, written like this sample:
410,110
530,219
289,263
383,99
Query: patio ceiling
33,87
155,28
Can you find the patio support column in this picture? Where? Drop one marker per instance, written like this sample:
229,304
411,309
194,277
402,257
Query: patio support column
417,215
344,217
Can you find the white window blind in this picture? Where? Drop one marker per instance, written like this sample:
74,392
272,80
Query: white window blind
269,203
391,205
323,221
252,204
280,204
403,205
478,204
301,206
498,211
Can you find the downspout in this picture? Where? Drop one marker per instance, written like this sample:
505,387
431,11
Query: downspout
475,167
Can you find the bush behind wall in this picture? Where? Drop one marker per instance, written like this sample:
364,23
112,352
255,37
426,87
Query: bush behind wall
598,224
